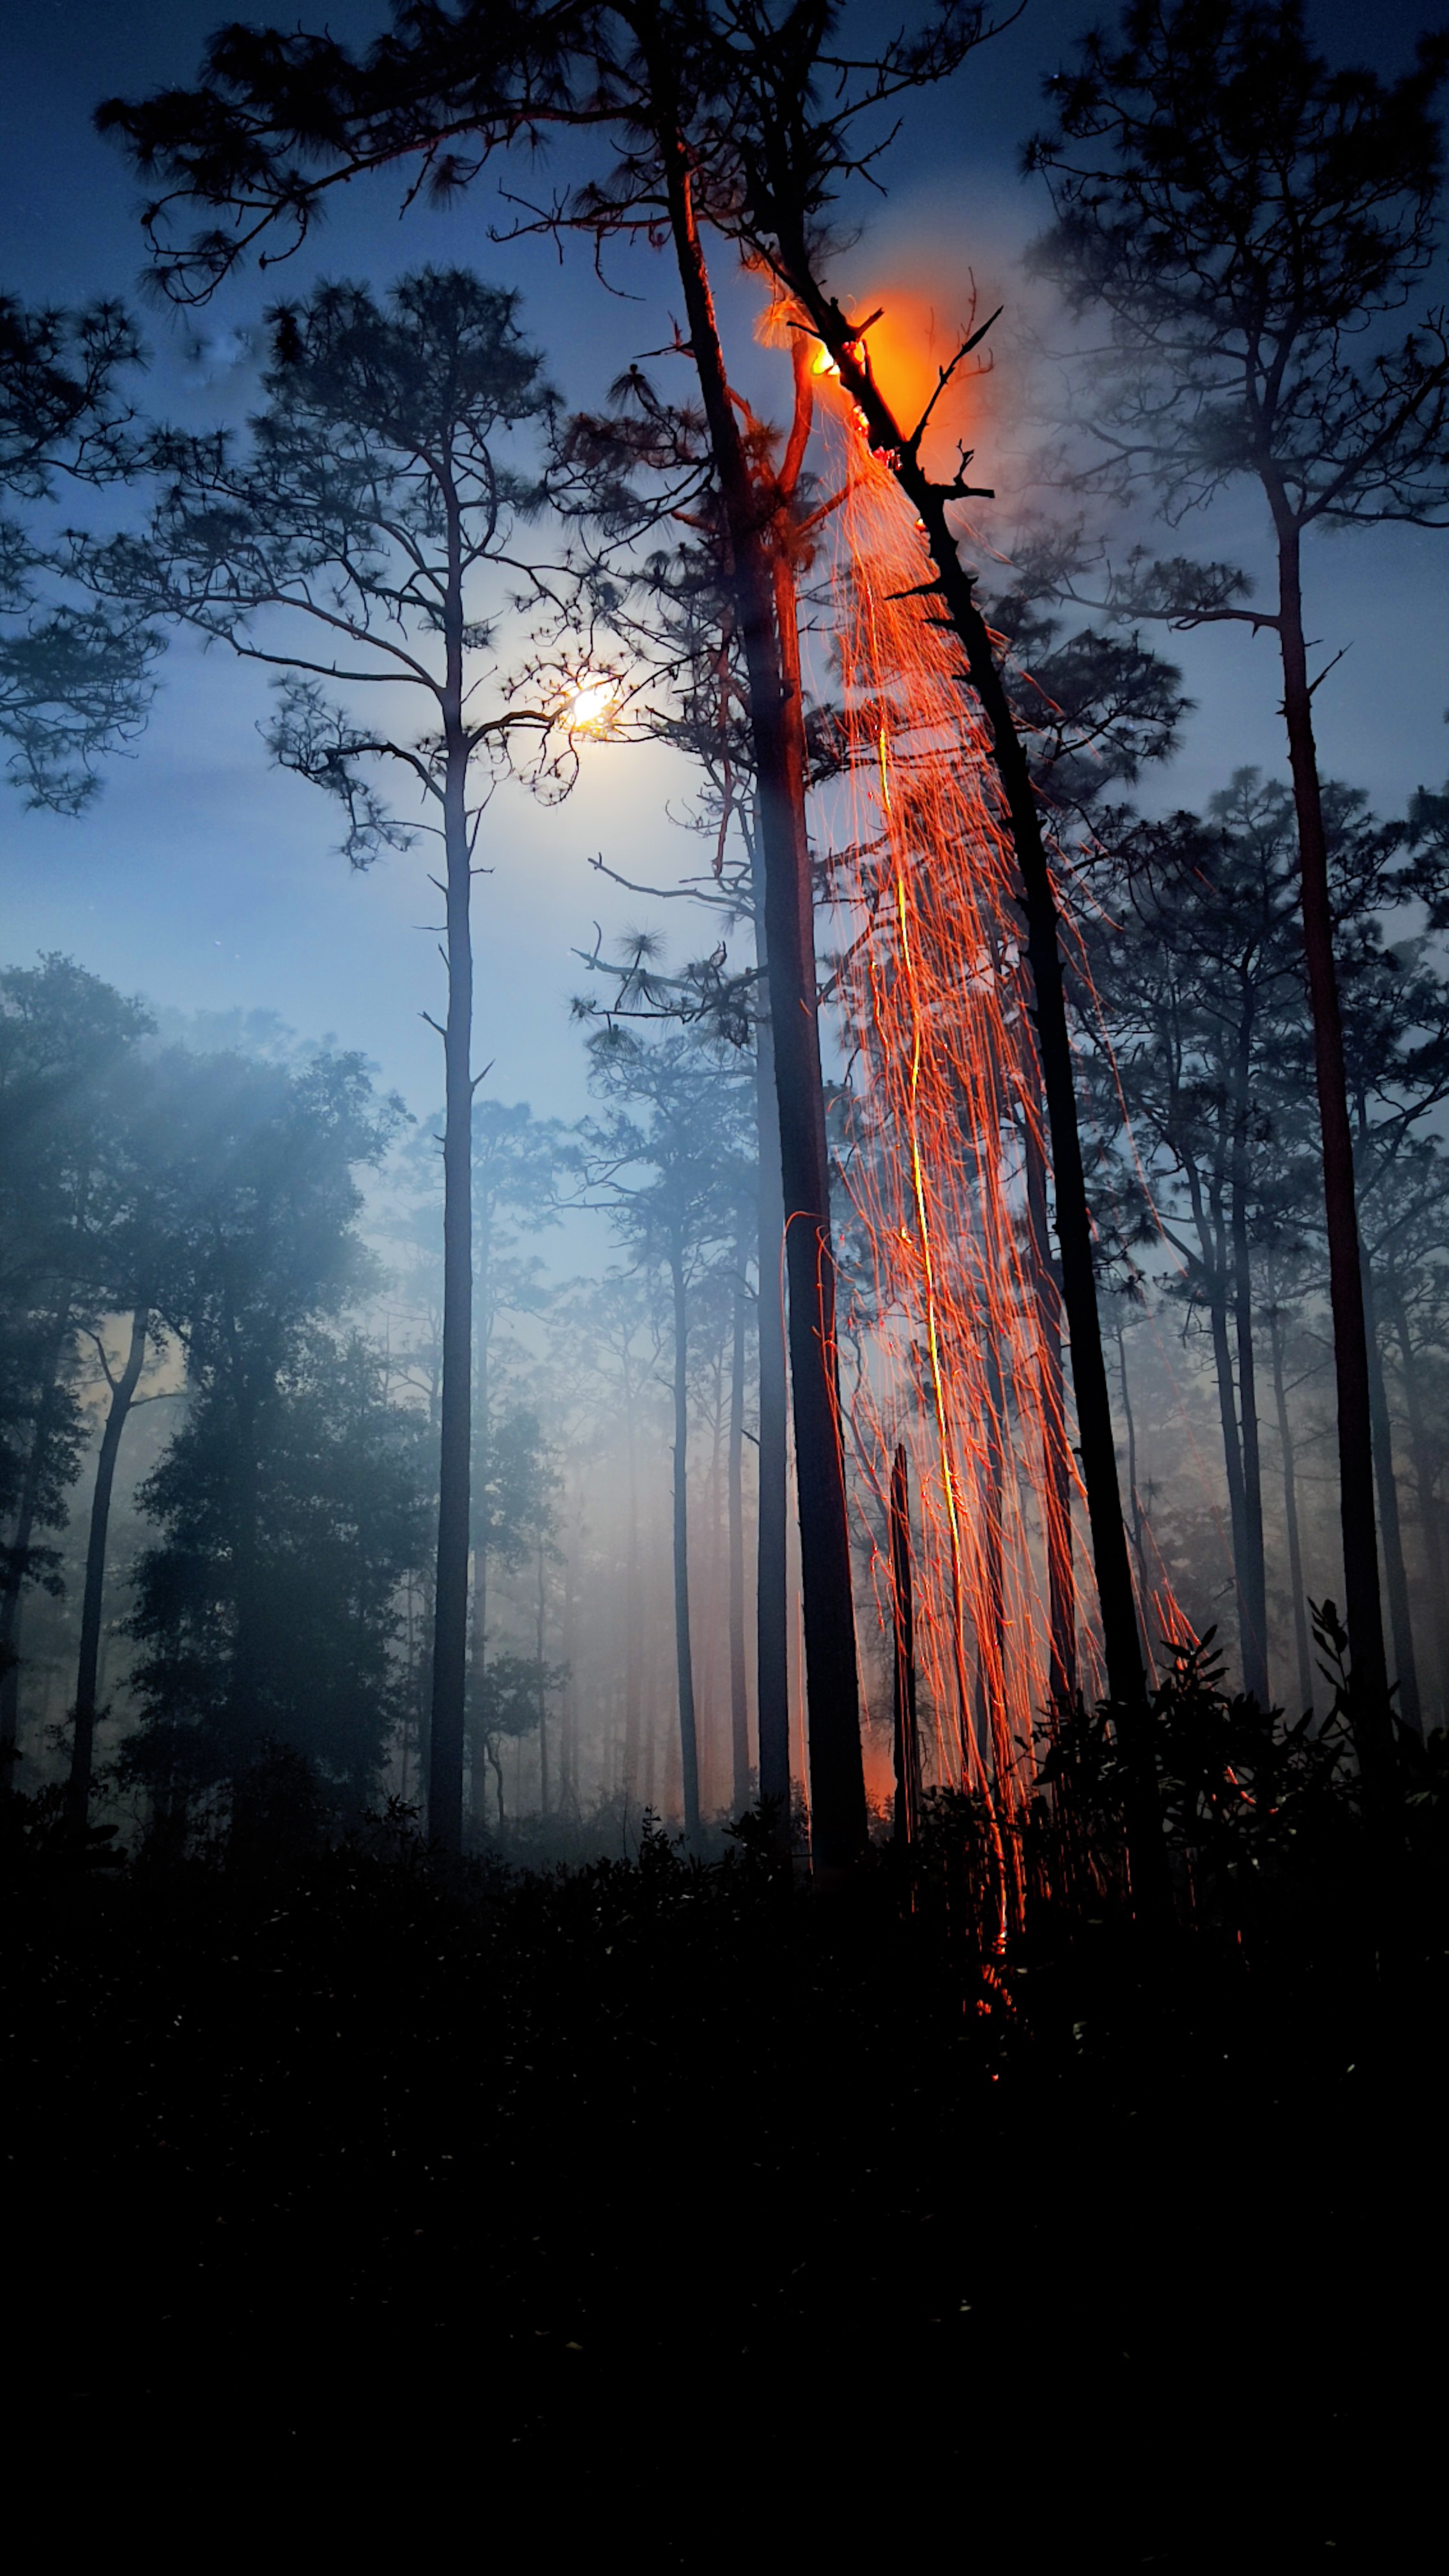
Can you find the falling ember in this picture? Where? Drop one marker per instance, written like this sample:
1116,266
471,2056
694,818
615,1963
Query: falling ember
955,1322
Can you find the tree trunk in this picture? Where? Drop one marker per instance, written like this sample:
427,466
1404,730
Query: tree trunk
955,588
633,1656
1252,1569
13,1589
450,1603
683,1647
1428,1509
906,1739
837,1780
739,1702
82,1754
1396,1578
543,1783
478,1512
1290,1512
772,1627
1212,1262
1363,1612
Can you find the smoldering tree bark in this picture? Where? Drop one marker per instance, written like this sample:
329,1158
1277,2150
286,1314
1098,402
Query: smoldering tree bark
837,1779
683,1645
739,1699
1363,1611
906,1740
82,1754
772,1633
1301,1649
954,588
1396,1575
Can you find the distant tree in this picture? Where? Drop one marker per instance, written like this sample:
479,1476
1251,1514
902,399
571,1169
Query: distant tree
76,680
679,1119
1197,970
1250,221
344,540
267,1613
67,1044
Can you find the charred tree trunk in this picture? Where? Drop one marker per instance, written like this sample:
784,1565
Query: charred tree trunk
1373,1731
123,1389
837,1780
683,1646
739,1701
954,588
906,1733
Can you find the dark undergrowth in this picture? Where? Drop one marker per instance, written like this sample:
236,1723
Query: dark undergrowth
668,2212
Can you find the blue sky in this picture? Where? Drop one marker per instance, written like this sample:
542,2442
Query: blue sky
207,881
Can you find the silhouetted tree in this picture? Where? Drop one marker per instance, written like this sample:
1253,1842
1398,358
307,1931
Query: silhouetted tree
1248,219
76,679
345,540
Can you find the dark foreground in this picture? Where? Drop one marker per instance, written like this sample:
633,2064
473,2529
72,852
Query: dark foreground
654,2212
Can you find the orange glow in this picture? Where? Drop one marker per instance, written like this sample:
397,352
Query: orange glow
945,1106
909,344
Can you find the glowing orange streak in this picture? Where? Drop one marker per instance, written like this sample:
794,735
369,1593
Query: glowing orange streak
969,1748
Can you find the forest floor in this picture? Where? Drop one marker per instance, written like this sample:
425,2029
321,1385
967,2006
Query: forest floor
663,2211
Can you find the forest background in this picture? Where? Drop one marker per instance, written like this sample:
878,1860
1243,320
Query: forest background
205,882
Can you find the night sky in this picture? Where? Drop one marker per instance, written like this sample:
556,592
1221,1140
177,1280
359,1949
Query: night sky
207,881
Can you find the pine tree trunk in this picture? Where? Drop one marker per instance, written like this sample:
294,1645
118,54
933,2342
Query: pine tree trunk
837,1780
954,587
1252,1567
739,1701
1396,1577
83,1739
1424,1495
772,1626
12,1592
1363,1612
683,1646
478,1512
543,1780
633,1644
1290,1511
450,1601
